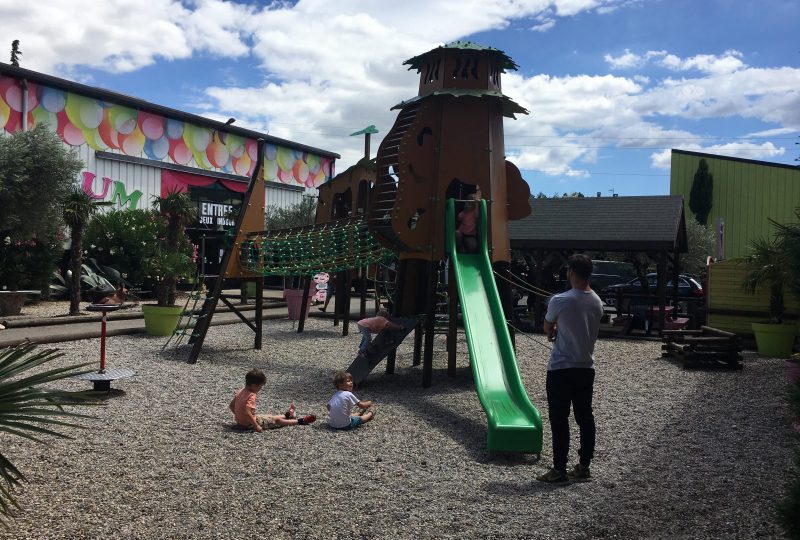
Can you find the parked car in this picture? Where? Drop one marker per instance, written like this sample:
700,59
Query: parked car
687,286
607,273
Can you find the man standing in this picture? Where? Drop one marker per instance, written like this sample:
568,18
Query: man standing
572,322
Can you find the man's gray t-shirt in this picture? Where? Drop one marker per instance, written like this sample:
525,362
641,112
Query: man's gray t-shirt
577,316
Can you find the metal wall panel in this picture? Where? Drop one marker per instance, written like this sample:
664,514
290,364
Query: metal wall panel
134,177
725,295
746,194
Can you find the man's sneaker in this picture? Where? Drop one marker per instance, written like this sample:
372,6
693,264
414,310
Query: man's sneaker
579,473
553,476
290,412
307,419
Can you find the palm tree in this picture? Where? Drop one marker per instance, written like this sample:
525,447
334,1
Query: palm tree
179,211
767,259
28,411
789,235
77,209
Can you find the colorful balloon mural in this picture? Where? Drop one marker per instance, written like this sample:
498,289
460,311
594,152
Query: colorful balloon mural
107,126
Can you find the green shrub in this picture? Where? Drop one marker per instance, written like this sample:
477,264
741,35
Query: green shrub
124,239
28,264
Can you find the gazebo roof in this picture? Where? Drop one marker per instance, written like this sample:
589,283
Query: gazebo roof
641,223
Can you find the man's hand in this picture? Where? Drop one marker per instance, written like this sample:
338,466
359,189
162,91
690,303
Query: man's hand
550,329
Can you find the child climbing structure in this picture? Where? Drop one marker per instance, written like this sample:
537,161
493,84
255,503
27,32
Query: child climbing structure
446,144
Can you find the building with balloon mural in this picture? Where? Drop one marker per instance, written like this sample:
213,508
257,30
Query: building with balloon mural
133,150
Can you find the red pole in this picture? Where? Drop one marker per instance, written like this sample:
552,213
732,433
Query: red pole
103,344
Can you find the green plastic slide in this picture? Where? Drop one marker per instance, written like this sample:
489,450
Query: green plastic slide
515,425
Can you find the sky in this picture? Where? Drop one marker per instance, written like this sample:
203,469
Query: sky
611,85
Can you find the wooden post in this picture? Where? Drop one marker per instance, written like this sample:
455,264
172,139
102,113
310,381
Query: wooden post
676,273
662,289
259,311
537,310
430,322
452,325
418,331
397,307
336,298
346,301
306,284
363,310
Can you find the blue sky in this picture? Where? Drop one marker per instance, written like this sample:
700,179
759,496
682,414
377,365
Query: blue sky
612,85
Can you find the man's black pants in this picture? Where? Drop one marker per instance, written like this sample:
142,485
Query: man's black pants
564,387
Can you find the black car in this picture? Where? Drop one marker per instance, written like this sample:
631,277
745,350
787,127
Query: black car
687,286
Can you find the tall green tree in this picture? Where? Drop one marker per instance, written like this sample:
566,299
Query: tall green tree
15,53
78,209
700,197
298,215
36,173
701,241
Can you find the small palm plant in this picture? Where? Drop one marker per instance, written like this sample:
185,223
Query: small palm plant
169,261
77,209
769,266
28,411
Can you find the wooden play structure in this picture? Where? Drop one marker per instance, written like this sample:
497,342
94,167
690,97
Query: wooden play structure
445,146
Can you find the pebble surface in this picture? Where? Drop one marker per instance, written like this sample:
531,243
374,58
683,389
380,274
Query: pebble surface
680,453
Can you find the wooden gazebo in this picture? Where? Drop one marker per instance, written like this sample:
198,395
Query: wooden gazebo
650,224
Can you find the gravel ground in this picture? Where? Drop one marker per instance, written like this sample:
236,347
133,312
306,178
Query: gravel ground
45,309
680,454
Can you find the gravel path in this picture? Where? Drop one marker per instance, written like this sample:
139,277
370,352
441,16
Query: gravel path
681,454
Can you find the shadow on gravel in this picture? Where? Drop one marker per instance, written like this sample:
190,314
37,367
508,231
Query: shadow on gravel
525,486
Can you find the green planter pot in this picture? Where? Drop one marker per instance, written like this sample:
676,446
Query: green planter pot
161,320
774,340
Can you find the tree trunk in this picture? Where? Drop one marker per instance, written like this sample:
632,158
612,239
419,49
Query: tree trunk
75,259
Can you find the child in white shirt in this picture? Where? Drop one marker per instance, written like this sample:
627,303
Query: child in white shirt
342,402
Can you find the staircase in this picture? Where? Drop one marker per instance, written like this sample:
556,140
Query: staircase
386,187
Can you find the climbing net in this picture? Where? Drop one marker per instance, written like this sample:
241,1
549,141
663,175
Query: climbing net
328,247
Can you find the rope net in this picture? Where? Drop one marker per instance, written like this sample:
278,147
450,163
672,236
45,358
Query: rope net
327,247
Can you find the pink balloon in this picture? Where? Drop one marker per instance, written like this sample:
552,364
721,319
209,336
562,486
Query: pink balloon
179,152
73,136
152,125
287,177
252,149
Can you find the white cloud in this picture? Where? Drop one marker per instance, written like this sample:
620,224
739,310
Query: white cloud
772,132
728,62
329,75
544,26
626,60
743,149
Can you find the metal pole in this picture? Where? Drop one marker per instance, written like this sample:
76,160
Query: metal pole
103,343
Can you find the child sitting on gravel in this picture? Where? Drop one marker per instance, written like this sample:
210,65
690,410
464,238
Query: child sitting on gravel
342,402
243,407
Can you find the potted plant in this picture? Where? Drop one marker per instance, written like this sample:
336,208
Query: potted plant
169,260
769,267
